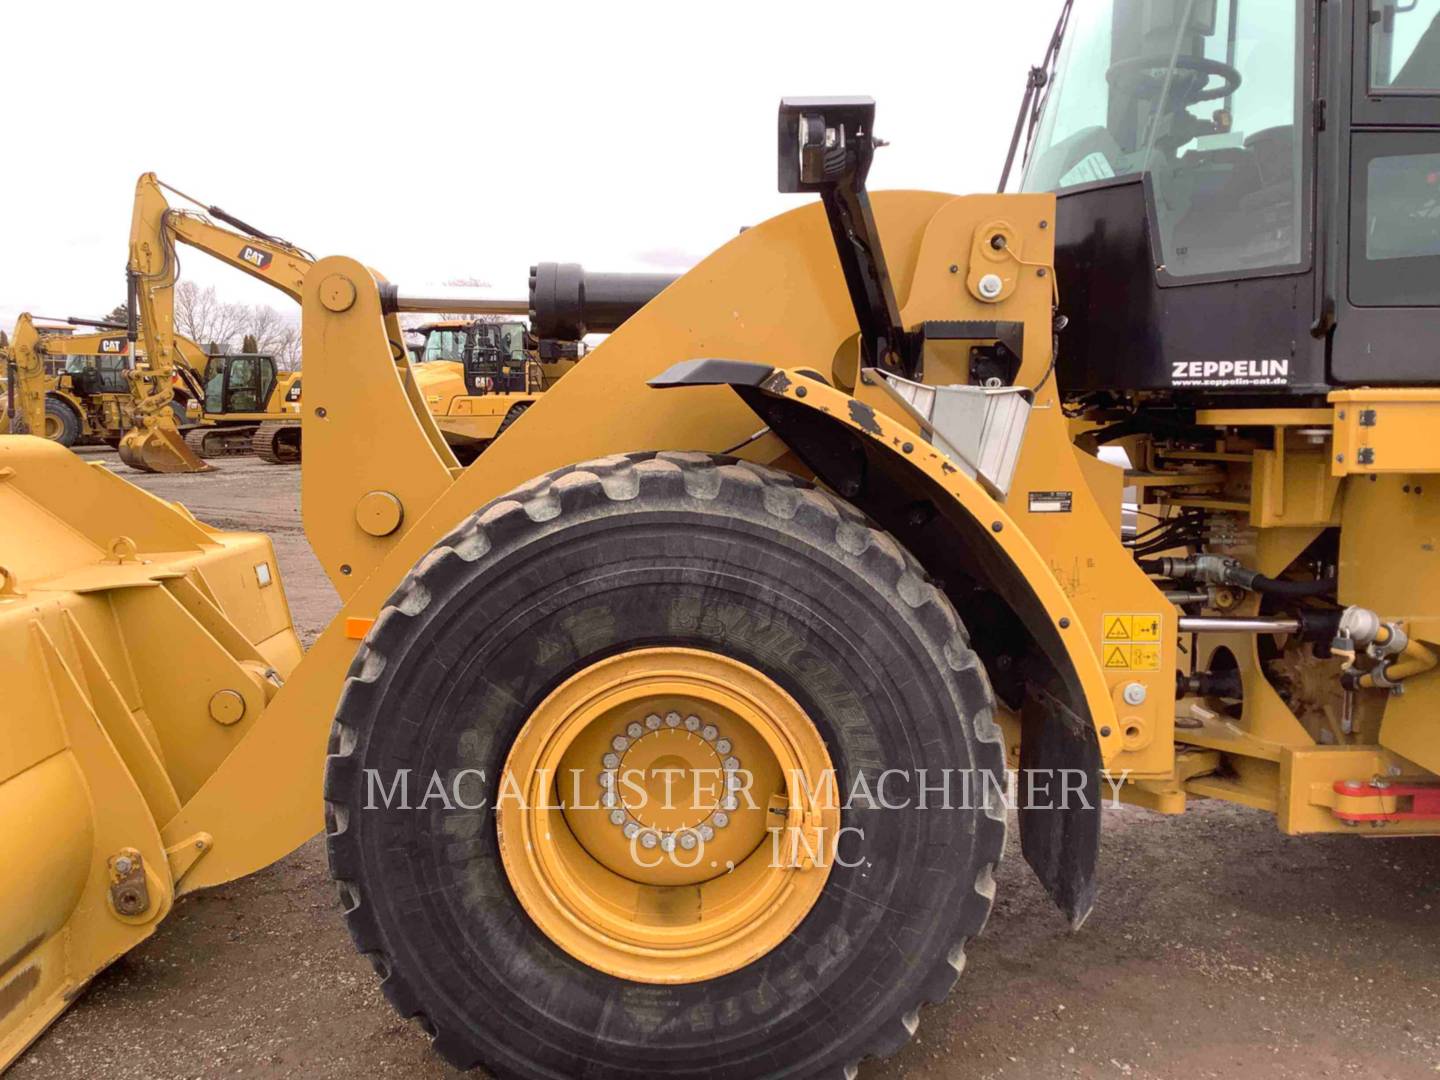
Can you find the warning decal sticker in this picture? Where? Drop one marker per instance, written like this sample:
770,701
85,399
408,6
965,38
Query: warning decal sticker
1129,641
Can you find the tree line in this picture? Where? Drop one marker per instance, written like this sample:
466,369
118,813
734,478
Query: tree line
223,326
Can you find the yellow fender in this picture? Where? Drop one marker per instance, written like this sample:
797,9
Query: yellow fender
792,401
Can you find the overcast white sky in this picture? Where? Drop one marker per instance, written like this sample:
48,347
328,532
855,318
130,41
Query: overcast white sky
436,141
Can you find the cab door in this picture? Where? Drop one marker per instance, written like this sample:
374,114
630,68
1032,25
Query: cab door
238,384
1387,327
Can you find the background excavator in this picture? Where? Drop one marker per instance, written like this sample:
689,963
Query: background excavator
249,405
824,529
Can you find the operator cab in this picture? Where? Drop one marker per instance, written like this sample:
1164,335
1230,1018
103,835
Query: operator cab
1224,226
494,355
92,375
238,383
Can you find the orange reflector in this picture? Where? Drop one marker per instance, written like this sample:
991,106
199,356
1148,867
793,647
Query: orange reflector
356,629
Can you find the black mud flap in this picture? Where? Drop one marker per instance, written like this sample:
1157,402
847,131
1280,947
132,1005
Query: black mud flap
1060,824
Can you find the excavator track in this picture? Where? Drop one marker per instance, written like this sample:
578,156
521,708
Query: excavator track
277,442
213,442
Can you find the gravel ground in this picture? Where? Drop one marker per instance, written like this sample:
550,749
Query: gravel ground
1219,948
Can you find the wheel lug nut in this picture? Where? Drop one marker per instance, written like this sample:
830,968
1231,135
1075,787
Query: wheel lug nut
692,723
709,732
634,730
672,719
617,817
723,746
688,841
652,721
631,831
721,819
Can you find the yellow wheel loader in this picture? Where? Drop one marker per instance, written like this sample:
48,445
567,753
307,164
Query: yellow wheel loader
73,387
477,378
668,738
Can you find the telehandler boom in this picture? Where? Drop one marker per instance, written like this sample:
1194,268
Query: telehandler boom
668,738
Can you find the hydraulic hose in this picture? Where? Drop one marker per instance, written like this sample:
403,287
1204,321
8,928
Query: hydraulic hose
1288,589
1222,570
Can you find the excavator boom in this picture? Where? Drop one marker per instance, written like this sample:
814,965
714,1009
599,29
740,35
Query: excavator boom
155,228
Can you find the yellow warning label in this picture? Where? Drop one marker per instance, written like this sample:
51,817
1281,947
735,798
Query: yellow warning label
1145,657
1130,640
1119,627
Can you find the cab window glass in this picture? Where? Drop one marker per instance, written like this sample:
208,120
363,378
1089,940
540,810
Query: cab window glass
215,385
1200,94
1395,221
445,345
1405,45
514,335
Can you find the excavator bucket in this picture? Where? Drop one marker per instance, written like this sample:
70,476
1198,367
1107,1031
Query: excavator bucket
105,593
158,448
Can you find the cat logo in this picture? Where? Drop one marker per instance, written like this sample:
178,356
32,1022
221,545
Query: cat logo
112,346
260,260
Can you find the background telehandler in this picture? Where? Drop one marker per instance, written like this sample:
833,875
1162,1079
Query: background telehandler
641,574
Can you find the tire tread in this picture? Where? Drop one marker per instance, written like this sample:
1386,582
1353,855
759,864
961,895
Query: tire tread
545,503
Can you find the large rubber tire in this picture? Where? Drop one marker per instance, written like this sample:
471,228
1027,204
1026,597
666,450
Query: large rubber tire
68,430
515,412
647,550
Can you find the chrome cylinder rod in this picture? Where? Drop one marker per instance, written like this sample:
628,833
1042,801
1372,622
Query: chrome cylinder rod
1220,624
450,298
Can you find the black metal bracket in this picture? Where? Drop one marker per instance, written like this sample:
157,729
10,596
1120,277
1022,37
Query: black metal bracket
826,145
987,362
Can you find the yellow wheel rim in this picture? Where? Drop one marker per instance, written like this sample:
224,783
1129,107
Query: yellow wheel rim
668,815
53,427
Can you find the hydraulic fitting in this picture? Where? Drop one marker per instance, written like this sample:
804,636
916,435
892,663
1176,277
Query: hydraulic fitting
1395,656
